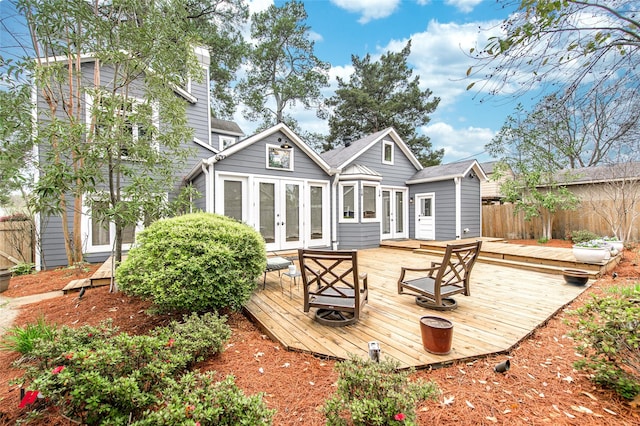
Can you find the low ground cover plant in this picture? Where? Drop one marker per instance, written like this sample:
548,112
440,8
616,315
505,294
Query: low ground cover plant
194,263
375,394
608,337
583,236
22,339
96,375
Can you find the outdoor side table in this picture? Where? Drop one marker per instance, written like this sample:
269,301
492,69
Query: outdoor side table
293,280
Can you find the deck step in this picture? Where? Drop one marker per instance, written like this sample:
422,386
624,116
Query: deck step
531,264
76,285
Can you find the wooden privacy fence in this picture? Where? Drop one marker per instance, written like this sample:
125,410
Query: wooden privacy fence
498,221
16,243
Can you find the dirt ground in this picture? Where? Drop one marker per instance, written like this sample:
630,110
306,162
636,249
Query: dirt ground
541,388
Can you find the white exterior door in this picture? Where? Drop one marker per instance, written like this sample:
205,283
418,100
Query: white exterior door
394,213
425,217
279,213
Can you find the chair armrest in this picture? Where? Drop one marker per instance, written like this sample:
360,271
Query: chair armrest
404,270
364,278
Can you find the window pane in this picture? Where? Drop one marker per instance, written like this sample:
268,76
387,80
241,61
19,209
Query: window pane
316,212
128,234
426,207
388,152
386,212
292,224
267,212
399,212
233,199
369,202
99,228
348,202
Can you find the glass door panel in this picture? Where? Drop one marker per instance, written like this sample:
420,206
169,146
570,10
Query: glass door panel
316,198
267,212
292,212
386,212
233,199
399,212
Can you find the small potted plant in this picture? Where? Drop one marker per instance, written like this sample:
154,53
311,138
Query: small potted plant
593,251
614,242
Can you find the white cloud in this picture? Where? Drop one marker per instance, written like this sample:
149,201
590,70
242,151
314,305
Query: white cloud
440,55
368,9
459,144
465,6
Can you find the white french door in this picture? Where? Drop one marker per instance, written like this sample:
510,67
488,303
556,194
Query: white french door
425,217
394,213
279,213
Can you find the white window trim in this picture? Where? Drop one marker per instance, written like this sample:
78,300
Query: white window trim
226,139
378,203
155,120
356,198
384,145
326,226
87,225
291,158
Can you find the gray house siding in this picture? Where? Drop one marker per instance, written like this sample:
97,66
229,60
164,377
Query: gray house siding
52,244
395,174
358,235
471,206
445,208
199,183
252,160
368,234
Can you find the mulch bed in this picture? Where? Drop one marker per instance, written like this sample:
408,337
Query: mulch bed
540,388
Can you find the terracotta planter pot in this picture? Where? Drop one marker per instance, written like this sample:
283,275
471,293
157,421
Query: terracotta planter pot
5,276
437,334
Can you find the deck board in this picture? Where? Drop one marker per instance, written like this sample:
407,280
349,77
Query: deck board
505,306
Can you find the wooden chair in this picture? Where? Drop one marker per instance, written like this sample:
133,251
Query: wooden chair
332,284
443,279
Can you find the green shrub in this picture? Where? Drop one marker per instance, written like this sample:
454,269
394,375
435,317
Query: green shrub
22,339
198,398
371,393
22,269
194,263
583,236
607,333
543,240
97,376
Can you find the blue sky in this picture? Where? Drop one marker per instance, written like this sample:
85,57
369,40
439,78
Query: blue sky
442,32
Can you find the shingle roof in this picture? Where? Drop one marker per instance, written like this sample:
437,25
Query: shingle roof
585,175
488,166
226,126
341,154
443,171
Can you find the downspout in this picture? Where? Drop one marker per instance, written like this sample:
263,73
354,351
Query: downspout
458,181
334,213
36,234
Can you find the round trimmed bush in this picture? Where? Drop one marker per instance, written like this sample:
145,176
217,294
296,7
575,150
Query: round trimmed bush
196,262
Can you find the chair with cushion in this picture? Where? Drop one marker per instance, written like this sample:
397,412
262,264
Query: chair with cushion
275,263
333,285
433,286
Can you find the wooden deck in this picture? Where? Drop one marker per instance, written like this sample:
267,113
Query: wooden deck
505,306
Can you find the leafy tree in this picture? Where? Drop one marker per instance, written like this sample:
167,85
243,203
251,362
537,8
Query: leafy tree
218,24
528,144
381,94
566,45
283,68
15,139
122,156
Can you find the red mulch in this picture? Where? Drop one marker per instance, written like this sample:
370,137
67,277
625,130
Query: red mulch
540,388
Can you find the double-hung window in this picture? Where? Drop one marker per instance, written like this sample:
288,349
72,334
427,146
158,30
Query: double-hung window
348,202
370,203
